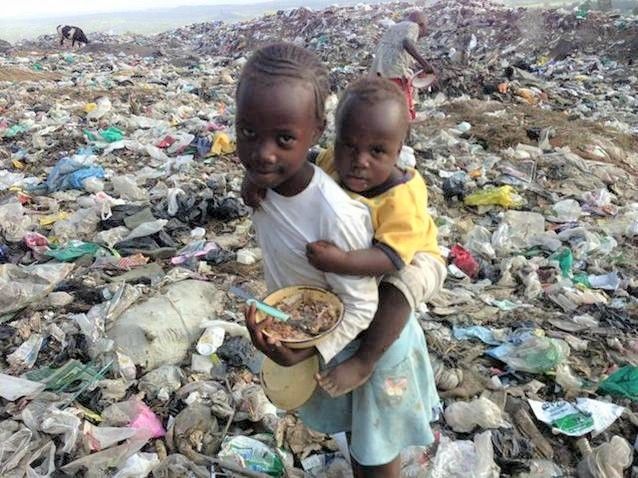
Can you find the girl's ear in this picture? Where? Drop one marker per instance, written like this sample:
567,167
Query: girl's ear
319,131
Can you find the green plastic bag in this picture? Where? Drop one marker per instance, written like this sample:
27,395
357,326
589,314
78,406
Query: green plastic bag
15,130
565,260
623,382
112,134
74,250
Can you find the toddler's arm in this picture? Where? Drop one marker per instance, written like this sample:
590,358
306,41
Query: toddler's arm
327,257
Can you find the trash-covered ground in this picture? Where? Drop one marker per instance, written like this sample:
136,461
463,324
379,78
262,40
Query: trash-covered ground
121,233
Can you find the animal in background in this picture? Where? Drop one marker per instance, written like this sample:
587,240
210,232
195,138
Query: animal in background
75,34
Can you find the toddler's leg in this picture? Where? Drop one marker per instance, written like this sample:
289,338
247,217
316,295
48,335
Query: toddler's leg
387,324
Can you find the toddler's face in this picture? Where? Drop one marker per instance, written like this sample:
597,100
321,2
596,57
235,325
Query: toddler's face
276,125
369,140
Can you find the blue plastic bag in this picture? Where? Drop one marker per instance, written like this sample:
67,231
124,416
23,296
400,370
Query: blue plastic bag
69,173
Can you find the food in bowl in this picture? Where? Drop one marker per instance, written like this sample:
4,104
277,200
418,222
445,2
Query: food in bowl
309,317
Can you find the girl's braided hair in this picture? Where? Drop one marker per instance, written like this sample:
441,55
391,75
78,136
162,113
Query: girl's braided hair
288,61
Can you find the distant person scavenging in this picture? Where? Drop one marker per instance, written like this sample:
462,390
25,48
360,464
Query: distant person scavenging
75,34
396,52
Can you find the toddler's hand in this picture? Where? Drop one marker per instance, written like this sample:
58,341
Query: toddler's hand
325,256
251,194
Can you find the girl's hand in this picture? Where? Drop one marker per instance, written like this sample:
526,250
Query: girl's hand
251,194
272,348
326,257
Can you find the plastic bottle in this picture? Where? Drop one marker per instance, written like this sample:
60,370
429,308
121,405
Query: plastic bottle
210,341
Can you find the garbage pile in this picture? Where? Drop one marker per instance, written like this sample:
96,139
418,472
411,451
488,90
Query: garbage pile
122,232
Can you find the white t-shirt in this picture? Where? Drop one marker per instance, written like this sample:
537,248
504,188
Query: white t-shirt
391,60
323,211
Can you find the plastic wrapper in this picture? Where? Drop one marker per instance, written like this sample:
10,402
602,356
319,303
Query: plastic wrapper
463,417
252,455
23,285
585,416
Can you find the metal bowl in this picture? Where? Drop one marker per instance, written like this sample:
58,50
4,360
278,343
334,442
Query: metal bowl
315,293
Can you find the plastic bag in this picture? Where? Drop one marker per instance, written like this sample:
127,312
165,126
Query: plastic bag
253,455
26,355
622,383
567,210
126,186
464,260
100,438
147,229
98,109
531,353
173,205
23,285
73,250
70,173
463,417
135,414
112,134
62,422
14,223
465,459
222,144
504,196
608,460
137,465
12,388
81,225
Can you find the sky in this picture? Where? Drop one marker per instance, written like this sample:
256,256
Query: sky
56,8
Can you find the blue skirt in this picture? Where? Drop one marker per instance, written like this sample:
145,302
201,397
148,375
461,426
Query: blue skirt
391,411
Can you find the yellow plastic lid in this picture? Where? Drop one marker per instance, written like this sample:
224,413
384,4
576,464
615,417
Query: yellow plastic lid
289,388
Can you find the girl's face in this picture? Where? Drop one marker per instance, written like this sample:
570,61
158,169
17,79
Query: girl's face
369,140
276,125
